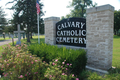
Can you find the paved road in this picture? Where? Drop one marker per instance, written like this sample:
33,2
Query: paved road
7,41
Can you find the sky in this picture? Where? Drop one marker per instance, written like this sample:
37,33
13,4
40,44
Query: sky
58,8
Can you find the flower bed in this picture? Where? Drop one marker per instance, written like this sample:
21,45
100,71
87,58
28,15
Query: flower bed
49,52
16,63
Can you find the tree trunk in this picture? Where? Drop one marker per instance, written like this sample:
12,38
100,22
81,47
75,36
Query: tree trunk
28,26
31,35
28,38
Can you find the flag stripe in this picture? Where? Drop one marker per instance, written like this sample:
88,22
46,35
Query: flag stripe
38,7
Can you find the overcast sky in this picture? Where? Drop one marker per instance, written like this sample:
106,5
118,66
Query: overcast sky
58,8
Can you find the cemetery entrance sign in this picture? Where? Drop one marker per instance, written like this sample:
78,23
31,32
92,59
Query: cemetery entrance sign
71,31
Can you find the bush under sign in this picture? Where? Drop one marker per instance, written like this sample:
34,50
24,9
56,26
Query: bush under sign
71,31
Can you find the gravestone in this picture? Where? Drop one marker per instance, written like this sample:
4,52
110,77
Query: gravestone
12,36
23,35
4,35
19,36
99,36
9,34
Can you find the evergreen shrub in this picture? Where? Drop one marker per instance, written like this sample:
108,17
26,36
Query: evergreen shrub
76,57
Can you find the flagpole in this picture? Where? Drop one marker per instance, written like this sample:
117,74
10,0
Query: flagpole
38,11
38,28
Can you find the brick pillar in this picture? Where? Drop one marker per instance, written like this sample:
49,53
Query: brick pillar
50,32
100,22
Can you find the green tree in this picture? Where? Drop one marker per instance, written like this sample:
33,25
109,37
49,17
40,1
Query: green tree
79,8
3,20
116,21
26,13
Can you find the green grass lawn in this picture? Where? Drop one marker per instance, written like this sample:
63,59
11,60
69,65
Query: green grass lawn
116,51
2,39
35,40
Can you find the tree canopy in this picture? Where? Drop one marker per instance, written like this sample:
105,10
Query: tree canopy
2,16
116,21
79,8
3,20
26,13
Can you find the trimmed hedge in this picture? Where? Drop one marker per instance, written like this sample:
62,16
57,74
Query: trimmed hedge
76,57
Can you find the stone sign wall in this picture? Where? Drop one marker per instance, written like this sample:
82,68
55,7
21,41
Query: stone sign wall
99,36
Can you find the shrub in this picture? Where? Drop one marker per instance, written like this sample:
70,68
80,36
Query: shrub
75,57
18,64
95,76
59,71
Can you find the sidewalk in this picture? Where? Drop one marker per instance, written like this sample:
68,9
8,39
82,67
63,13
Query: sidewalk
7,41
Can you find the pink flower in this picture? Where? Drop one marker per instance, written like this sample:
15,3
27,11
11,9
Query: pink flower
53,63
16,45
17,55
19,47
77,78
56,60
68,64
35,60
61,66
30,56
5,75
45,75
50,75
21,76
25,74
32,62
35,72
5,60
72,75
63,62
44,61
29,73
1,69
7,64
63,73
66,68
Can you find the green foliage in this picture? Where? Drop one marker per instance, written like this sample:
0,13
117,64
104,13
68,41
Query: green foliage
25,12
75,57
18,64
79,8
2,16
116,21
95,76
118,32
57,70
115,76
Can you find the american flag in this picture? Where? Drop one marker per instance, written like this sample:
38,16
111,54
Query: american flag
38,7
